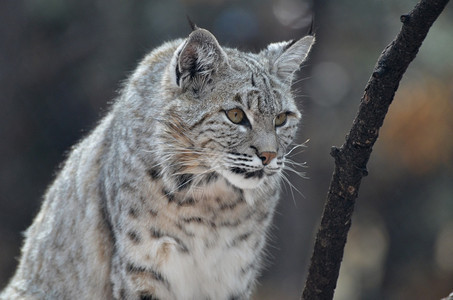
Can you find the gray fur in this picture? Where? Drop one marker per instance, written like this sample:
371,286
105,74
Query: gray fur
167,198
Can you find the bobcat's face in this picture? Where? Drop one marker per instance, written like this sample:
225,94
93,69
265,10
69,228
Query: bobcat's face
234,115
247,132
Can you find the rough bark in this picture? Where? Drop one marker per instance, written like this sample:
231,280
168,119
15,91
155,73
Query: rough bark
351,159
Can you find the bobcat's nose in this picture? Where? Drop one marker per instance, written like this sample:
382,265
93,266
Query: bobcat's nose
267,157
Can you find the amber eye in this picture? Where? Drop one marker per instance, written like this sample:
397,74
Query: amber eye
236,115
280,120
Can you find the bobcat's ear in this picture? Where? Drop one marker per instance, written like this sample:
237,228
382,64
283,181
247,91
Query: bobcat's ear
285,58
196,60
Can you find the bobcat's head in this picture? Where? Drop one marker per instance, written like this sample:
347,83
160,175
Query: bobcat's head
231,113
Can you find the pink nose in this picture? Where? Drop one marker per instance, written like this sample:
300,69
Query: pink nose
267,157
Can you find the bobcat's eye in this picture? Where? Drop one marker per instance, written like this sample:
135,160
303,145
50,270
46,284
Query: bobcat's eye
236,115
280,120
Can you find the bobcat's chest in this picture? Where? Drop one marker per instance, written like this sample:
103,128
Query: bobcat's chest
218,265
208,248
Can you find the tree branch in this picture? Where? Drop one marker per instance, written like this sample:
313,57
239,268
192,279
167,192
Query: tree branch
351,159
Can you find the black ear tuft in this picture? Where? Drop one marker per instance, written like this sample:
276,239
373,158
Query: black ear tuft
192,25
310,30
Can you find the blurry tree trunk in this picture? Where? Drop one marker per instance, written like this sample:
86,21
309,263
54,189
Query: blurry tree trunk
351,159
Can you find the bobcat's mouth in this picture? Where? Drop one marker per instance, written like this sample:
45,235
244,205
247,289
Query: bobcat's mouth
243,179
247,171
248,174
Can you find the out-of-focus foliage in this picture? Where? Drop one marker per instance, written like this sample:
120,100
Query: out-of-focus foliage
419,129
61,63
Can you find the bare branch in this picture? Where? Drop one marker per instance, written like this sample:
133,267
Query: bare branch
351,159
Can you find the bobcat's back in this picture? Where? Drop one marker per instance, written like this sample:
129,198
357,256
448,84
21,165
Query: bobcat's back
171,196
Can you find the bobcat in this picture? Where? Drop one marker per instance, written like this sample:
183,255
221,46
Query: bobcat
171,195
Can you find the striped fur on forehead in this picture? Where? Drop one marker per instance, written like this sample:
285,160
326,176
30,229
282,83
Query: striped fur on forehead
263,99
263,91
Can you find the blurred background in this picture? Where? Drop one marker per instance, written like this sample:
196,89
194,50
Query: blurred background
61,64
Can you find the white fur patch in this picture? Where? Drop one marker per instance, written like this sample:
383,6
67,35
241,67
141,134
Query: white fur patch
239,181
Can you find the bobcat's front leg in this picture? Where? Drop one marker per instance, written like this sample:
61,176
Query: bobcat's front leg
139,250
136,281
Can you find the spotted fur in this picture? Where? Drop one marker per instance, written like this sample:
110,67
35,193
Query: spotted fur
168,198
